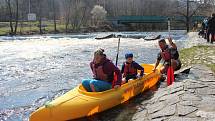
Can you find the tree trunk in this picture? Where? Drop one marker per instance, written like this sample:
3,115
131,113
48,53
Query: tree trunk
21,17
67,15
82,18
187,17
40,24
11,16
40,16
54,17
17,16
66,24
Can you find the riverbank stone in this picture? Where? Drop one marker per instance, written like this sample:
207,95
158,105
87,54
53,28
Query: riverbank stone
182,119
156,107
189,99
167,111
185,110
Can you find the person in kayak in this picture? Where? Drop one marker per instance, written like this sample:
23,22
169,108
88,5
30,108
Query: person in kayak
103,73
168,53
129,69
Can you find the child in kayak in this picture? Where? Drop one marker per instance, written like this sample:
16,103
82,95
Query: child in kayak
129,69
103,73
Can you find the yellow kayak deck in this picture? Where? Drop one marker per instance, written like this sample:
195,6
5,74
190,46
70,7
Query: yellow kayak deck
78,103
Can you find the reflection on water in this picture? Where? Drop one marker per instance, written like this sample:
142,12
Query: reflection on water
35,69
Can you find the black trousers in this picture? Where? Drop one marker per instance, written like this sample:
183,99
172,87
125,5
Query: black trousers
212,37
208,36
212,33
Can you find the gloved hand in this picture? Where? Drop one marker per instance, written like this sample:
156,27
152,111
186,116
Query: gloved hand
123,80
116,86
138,76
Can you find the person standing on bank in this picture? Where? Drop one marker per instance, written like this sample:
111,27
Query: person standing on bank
211,28
205,28
103,74
168,53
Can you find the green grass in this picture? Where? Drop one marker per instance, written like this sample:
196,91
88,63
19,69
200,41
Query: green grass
199,55
31,27
212,66
4,30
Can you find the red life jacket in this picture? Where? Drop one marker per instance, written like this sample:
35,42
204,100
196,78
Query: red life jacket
129,70
166,55
99,74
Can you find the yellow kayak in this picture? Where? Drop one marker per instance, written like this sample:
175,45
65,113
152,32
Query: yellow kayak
78,103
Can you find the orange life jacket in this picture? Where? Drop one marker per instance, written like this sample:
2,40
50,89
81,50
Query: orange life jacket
129,70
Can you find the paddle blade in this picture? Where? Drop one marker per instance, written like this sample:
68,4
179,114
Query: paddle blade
170,75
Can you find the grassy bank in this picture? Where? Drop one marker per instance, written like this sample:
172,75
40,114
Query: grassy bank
33,28
27,28
199,55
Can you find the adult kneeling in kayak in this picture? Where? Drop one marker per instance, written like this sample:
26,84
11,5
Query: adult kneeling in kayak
103,72
167,53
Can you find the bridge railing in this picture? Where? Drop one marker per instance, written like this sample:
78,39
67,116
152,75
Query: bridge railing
152,19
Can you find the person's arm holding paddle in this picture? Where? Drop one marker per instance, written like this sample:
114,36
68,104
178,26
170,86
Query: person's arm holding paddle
173,45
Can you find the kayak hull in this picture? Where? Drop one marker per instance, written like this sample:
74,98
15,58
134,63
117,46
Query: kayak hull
78,103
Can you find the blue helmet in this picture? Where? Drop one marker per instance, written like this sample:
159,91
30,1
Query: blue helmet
128,55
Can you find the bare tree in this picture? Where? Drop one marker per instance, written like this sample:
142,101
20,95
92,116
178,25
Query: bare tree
54,15
8,2
78,14
39,3
67,11
22,14
17,16
188,9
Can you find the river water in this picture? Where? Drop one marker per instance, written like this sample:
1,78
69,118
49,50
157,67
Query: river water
35,69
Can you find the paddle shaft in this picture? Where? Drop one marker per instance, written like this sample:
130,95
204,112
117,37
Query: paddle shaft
117,55
169,26
168,23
